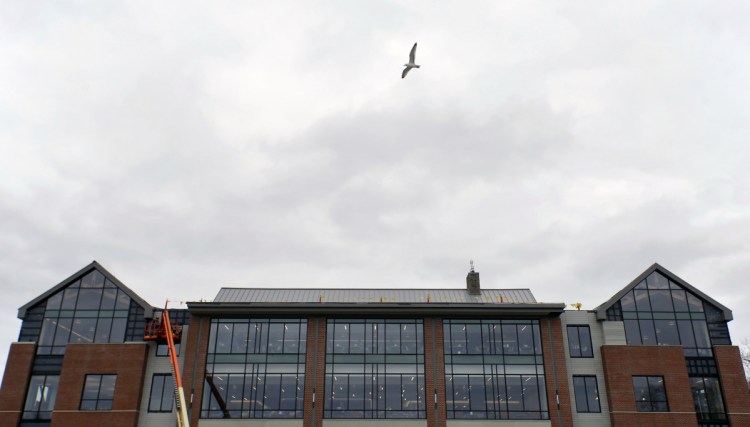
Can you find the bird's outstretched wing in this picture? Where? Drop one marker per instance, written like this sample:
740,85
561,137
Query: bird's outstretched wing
406,70
413,53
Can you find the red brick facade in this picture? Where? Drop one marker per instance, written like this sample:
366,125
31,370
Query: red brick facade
315,370
194,367
15,381
127,361
622,362
434,367
554,361
733,384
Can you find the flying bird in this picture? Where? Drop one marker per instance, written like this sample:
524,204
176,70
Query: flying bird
411,63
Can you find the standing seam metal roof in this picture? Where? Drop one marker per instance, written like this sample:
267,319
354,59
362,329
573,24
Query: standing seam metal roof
364,296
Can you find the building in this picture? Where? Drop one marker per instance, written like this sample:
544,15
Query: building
657,353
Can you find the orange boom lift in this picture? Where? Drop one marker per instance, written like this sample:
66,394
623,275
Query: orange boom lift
163,331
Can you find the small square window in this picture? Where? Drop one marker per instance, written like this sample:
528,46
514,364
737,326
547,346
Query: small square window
579,341
650,394
98,392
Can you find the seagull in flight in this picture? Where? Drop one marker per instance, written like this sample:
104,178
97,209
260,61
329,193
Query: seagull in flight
411,63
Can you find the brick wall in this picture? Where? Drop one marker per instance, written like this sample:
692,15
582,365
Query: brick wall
621,363
554,361
434,372
733,384
127,361
315,370
194,367
15,381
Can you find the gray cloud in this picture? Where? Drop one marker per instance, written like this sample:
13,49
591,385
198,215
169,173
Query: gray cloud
564,149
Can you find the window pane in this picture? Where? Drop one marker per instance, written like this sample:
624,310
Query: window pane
656,281
510,339
702,339
695,304
592,391
585,338
458,339
632,332
53,302
713,396
108,387
641,300
157,388
579,388
474,339
666,332
275,338
628,302
640,388
83,330
91,387
525,339
291,337
69,299
574,342
88,299
239,338
117,334
648,335
661,300
679,299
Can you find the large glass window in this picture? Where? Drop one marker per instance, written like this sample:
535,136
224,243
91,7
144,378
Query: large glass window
162,395
90,310
375,368
494,369
255,368
579,341
587,393
660,312
650,394
709,404
98,392
40,399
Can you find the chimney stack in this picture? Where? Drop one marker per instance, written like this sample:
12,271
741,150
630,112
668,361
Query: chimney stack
472,281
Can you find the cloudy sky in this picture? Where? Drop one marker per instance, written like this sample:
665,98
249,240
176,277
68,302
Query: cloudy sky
563,146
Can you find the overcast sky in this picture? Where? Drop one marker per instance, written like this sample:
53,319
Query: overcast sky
563,146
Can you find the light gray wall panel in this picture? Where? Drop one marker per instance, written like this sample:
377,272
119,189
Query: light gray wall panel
159,365
587,366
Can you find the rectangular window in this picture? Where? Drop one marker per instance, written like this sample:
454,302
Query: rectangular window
98,392
375,369
494,370
579,341
255,368
162,393
650,394
587,393
40,399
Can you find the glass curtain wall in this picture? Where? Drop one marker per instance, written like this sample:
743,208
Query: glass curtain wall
494,369
255,368
91,310
375,368
660,312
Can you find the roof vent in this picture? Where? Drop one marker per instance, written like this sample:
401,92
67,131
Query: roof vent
472,281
